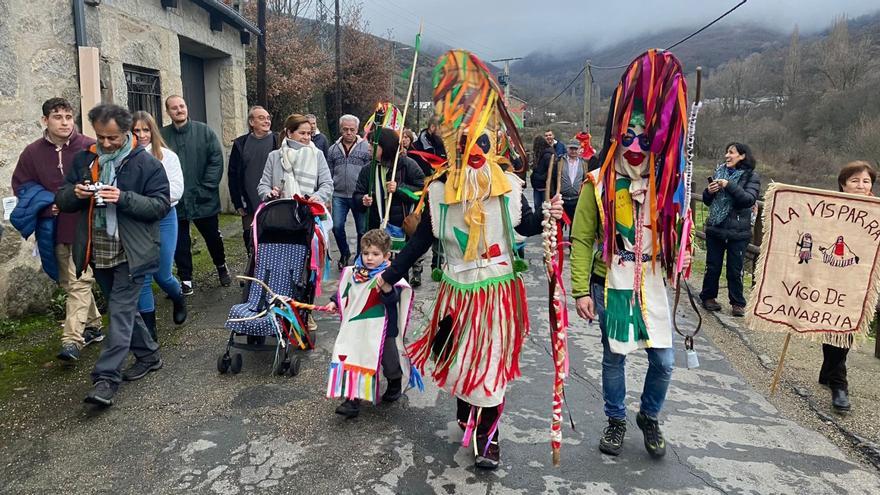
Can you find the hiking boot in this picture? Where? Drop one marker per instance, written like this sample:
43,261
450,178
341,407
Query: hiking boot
179,313
711,305
350,408
487,458
840,400
140,368
223,274
416,279
92,335
394,390
186,288
737,310
69,352
343,262
102,393
611,442
655,444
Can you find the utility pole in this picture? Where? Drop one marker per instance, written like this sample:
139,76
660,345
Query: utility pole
391,80
505,81
419,102
588,94
337,101
261,55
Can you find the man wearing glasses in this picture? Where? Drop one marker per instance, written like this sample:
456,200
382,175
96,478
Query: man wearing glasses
246,164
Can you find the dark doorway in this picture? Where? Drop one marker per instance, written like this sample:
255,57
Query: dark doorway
192,75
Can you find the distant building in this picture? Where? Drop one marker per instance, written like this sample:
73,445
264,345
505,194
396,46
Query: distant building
131,52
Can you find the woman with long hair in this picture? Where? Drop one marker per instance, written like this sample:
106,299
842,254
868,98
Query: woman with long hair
733,190
854,178
147,133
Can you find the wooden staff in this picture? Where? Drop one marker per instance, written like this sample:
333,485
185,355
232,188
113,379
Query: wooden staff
412,76
778,373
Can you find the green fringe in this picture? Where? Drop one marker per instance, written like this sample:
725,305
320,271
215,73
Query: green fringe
620,314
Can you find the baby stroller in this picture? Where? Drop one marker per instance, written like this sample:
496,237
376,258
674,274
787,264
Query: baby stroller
280,287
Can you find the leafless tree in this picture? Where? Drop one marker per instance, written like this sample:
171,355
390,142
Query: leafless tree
842,60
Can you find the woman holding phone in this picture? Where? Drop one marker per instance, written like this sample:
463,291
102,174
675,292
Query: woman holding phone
732,191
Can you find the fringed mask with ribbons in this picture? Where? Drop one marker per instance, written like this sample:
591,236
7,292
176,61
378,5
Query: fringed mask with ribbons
644,142
469,105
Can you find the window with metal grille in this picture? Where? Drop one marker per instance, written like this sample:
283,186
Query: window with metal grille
144,91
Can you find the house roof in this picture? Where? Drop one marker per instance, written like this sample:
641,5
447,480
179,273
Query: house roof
229,15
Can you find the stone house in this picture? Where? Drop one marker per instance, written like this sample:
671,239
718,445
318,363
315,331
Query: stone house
131,52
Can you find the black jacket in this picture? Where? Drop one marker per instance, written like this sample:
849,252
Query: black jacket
322,143
409,175
143,202
738,224
539,173
236,169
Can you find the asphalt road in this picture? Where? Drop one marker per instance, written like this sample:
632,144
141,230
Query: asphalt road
187,429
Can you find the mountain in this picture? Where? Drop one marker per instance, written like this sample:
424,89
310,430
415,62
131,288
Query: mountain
541,73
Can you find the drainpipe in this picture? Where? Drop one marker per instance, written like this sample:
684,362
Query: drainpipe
88,67
79,22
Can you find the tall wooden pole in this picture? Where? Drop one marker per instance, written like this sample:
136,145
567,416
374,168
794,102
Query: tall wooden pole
337,101
261,55
588,95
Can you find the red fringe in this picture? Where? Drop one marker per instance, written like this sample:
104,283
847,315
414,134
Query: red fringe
474,314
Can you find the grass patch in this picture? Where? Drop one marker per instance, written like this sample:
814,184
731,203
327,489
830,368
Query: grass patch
26,344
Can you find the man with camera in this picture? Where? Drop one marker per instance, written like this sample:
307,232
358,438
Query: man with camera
122,193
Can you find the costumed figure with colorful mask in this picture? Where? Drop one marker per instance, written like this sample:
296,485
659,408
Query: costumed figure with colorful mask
480,320
627,241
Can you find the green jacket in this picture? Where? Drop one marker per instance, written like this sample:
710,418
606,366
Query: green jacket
586,237
201,158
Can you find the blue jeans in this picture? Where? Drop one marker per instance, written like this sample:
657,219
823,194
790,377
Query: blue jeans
341,207
538,197
164,278
660,364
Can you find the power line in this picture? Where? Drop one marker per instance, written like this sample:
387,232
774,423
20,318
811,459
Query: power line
679,42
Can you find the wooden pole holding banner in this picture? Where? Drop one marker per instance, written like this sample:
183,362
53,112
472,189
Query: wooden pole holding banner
778,373
412,76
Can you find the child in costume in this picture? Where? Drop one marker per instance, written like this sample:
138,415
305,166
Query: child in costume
475,334
374,319
625,241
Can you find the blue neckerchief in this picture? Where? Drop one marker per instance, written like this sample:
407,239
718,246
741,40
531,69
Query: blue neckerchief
364,274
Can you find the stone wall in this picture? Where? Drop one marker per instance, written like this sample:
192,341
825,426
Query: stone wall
38,61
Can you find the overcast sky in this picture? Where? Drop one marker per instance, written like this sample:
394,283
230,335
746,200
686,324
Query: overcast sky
514,28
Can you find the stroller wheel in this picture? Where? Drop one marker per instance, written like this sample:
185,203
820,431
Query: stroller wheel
281,367
294,366
223,363
235,366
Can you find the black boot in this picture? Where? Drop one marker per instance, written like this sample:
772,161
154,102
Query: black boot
179,313
611,442
488,456
655,444
150,322
350,408
840,400
394,390
488,450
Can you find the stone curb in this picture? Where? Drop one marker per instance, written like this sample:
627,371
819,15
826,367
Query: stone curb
870,449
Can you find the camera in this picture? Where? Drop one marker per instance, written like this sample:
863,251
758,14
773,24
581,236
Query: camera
95,188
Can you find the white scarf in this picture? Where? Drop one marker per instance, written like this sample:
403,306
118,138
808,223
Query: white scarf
300,166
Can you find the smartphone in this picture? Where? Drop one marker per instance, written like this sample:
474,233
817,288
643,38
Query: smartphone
710,179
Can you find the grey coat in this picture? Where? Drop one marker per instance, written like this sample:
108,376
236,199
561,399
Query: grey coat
346,168
571,190
274,173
